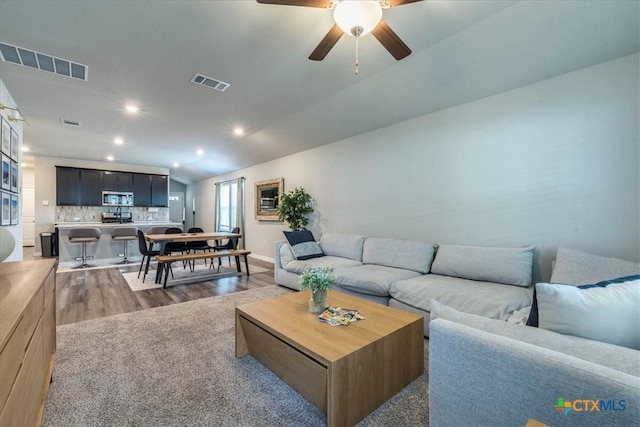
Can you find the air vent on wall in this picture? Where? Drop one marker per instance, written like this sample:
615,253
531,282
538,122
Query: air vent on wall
203,80
43,61
69,122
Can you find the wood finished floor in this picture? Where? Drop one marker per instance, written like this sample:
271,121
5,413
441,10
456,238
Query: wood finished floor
91,294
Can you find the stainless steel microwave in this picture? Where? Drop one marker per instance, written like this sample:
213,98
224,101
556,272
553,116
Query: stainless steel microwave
116,198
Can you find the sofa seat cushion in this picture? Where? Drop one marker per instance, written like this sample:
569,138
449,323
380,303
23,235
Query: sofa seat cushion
612,356
343,245
298,266
371,279
488,299
405,254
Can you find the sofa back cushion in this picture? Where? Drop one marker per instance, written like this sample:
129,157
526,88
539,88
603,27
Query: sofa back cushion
405,254
580,268
343,245
511,266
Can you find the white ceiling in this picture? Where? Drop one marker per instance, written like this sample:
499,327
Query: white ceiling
147,52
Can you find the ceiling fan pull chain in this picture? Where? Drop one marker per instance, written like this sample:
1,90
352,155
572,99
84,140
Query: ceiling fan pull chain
357,61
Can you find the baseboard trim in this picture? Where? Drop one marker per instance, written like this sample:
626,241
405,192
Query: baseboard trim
262,258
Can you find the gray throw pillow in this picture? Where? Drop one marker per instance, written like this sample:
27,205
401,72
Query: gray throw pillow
606,312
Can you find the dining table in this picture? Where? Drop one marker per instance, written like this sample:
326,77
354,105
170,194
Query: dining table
163,239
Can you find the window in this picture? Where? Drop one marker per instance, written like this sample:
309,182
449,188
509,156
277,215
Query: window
228,205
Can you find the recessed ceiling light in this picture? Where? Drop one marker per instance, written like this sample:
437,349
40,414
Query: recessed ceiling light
238,131
110,158
118,141
176,165
200,152
25,148
132,108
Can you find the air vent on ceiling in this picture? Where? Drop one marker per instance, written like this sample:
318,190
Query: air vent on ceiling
43,61
203,80
69,122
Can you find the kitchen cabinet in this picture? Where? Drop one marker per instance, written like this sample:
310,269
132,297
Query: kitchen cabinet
125,181
159,191
141,190
67,186
109,181
90,187
84,187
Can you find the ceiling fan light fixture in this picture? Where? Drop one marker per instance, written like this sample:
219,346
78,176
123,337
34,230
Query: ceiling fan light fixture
351,15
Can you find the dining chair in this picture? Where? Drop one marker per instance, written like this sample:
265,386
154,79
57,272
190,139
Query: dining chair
200,245
231,244
146,253
171,247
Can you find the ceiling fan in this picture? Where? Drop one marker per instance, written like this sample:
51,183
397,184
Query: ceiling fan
357,18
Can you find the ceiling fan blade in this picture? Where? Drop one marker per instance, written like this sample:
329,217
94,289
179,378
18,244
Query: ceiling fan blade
326,44
394,3
391,41
308,3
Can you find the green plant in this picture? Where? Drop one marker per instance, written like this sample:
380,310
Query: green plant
317,278
294,207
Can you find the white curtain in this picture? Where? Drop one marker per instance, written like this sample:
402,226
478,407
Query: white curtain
229,212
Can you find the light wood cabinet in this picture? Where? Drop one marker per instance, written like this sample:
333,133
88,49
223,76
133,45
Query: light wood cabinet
27,339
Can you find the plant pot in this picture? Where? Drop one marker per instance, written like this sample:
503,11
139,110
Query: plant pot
318,301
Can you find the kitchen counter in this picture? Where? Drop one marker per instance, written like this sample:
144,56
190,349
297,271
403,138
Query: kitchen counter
116,224
105,251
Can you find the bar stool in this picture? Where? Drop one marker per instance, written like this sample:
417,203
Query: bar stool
84,235
124,235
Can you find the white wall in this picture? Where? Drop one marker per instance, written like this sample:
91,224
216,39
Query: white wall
553,164
15,230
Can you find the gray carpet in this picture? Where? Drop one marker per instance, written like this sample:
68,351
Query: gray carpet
175,366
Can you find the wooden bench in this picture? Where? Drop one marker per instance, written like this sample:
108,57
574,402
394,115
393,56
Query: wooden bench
167,260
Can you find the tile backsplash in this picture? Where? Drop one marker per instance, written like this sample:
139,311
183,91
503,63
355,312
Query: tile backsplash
94,213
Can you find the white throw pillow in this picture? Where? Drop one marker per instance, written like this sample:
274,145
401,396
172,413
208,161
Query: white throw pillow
607,312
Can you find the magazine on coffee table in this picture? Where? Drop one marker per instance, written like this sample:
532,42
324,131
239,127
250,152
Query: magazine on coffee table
335,316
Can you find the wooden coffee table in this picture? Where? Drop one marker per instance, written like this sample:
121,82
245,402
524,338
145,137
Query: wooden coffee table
346,371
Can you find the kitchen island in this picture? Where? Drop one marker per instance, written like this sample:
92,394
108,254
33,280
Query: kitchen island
105,251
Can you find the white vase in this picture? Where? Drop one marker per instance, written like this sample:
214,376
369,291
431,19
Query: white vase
318,301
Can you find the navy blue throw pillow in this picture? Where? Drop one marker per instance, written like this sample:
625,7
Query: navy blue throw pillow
303,245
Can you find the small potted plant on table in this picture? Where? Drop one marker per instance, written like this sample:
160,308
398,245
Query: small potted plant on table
318,280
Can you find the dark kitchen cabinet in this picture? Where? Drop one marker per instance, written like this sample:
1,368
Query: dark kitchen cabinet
159,191
109,181
117,181
125,181
90,187
141,190
67,186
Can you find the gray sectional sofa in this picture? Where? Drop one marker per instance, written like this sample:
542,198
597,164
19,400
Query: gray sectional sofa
491,282
483,372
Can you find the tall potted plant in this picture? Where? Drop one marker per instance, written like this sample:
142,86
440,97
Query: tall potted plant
294,207
318,280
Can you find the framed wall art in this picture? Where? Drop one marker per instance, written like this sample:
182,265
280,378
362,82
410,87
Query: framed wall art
15,142
6,173
15,209
6,137
5,209
14,176
268,198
